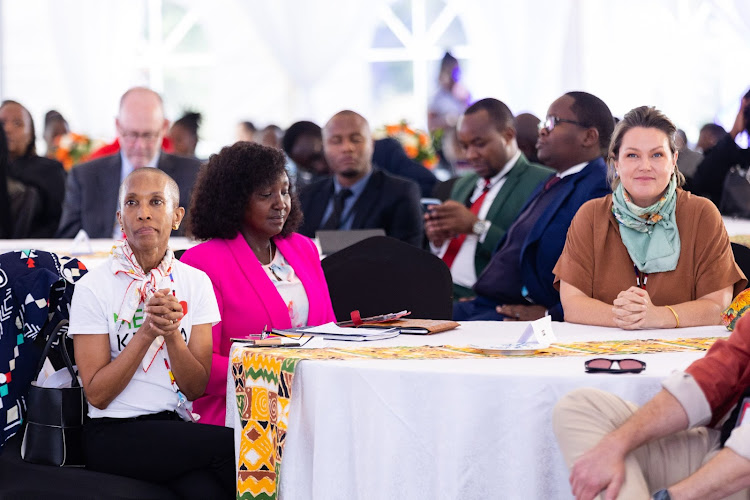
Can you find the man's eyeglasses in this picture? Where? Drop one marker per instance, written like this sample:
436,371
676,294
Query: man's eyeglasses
551,122
603,365
132,136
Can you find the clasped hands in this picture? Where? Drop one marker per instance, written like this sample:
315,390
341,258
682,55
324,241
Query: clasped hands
447,220
163,314
634,310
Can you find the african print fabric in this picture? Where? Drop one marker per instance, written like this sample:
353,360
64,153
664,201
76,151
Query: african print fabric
263,389
739,306
35,292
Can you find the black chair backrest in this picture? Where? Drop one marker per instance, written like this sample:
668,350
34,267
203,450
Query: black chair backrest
742,257
382,274
25,205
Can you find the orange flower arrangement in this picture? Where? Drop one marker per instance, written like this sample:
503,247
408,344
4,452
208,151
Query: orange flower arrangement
416,143
72,149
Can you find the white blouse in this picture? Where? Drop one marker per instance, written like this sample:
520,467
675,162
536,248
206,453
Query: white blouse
290,288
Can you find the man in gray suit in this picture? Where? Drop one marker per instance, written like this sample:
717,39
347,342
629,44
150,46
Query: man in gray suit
91,191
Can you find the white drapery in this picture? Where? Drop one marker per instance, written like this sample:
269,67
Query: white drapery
281,61
309,39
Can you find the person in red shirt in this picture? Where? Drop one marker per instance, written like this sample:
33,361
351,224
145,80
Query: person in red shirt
670,443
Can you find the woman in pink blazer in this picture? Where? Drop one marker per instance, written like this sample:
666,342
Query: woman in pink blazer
263,273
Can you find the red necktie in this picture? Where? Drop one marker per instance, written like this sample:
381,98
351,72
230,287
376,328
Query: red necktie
551,182
455,245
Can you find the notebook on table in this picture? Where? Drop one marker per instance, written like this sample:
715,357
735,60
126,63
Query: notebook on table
416,326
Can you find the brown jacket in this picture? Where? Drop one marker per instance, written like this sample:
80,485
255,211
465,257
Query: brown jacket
596,261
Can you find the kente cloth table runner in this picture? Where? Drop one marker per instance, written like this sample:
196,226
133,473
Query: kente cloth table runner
263,390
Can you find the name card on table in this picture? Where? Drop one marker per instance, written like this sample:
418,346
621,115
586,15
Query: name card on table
538,332
537,335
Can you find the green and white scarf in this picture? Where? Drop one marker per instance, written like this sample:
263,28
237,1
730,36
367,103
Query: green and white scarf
650,234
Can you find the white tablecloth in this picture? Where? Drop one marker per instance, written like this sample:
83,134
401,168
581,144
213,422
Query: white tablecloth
90,256
447,429
736,226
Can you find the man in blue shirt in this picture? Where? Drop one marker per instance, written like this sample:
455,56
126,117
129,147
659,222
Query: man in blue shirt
359,195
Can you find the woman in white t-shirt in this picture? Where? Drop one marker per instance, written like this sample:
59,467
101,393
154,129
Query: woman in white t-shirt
141,325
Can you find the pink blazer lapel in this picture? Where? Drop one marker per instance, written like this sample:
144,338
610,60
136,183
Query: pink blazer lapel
258,281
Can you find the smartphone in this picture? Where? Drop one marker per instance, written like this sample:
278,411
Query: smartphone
429,202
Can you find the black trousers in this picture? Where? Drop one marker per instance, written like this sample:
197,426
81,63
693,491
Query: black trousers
193,460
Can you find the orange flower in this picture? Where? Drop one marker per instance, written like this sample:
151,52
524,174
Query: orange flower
416,143
411,151
392,129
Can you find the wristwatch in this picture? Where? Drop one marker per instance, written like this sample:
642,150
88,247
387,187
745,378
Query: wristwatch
662,495
480,227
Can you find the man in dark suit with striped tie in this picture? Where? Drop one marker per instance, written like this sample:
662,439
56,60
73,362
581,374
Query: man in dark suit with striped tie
359,195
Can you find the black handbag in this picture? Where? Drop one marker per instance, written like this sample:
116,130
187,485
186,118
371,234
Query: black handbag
54,416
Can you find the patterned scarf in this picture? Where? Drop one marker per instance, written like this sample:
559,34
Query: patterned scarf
650,234
141,288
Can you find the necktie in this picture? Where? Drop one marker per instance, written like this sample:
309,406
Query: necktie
334,220
551,182
455,245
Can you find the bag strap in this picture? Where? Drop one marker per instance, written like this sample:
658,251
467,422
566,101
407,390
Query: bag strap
64,351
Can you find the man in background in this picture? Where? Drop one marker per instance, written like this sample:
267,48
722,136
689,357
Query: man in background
719,158
91,191
359,195
527,130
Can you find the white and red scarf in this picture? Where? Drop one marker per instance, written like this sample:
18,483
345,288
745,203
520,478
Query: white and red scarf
141,288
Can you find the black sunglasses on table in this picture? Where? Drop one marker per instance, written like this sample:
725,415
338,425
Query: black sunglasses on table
603,365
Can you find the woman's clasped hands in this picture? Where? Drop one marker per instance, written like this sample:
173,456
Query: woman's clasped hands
634,310
163,314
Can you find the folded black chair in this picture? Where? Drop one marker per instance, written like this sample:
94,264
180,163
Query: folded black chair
382,275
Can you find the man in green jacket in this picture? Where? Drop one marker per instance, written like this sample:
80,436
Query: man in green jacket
465,230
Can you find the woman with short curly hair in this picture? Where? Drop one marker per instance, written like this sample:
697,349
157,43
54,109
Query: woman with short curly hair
264,274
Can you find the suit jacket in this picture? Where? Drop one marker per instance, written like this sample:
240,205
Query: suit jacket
387,202
48,177
248,301
545,241
389,155
521,181
92,188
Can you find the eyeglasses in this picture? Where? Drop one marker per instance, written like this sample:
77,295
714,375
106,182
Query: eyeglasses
132,136
602,365
551,122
